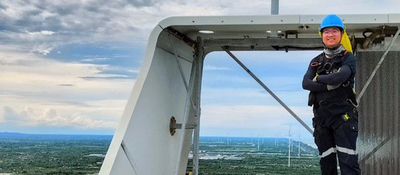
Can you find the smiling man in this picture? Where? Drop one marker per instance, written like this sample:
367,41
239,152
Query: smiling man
330,80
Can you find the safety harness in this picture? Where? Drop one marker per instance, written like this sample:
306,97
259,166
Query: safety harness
324,68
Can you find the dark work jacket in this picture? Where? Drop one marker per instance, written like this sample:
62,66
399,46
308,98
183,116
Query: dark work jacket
342,71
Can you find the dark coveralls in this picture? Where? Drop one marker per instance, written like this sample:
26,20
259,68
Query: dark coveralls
335,117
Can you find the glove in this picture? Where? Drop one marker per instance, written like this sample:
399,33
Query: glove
332,87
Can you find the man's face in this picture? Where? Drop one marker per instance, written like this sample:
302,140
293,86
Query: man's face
331,37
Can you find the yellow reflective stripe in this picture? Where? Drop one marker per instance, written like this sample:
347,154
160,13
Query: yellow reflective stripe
346,150
328,152
346,117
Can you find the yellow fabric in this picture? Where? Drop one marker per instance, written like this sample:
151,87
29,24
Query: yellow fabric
346,42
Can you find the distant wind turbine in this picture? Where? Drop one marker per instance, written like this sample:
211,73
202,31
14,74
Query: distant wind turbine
289,146
299,146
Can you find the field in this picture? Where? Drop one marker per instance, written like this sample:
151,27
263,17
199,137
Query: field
240,156
83,154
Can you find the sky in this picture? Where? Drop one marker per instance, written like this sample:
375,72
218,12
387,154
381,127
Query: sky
67,67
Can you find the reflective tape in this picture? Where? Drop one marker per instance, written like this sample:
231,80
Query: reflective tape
328,152
346,150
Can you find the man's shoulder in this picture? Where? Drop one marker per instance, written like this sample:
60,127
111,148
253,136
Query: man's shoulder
350,60
319,57
348,57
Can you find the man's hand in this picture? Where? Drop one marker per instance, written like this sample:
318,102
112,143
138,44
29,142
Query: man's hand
332,87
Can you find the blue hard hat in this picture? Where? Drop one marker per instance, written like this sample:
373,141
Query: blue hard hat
331,21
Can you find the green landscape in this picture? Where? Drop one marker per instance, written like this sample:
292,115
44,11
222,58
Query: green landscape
261,156
84,154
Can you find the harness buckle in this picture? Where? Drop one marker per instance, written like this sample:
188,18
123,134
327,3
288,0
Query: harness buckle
323,103
346,84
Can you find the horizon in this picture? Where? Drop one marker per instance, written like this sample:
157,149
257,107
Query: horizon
1,133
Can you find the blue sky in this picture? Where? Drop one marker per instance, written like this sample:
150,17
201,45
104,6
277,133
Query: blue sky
69,67
230,94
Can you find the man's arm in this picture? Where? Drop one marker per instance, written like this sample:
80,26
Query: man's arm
336,78
311,85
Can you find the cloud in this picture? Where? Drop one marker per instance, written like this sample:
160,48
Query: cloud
253,96
214,68
107,77
65,84
43,32
256,116
40,91
94,59
267,119
54,23
27,74
41,49
50,117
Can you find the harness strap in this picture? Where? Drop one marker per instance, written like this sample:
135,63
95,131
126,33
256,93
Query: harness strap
335,99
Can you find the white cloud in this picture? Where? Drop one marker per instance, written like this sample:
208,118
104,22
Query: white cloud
50,117
43,32
41,49
245,120
46,32
94,59
27,71
45,92
250,116
215,68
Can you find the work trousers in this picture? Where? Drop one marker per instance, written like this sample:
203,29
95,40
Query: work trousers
337,135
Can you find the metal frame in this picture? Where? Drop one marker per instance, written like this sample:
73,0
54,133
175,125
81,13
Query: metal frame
189,103
380,145
274,44
175,53
262,44
378,66
196,134
237,32
193,96
128,156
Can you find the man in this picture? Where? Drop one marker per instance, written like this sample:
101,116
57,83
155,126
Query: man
330,80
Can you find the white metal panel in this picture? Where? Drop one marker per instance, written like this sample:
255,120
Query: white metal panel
394,18
275,19
122,165
365,19
160,95
230,20
348,19
119,134
256,26
311,19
